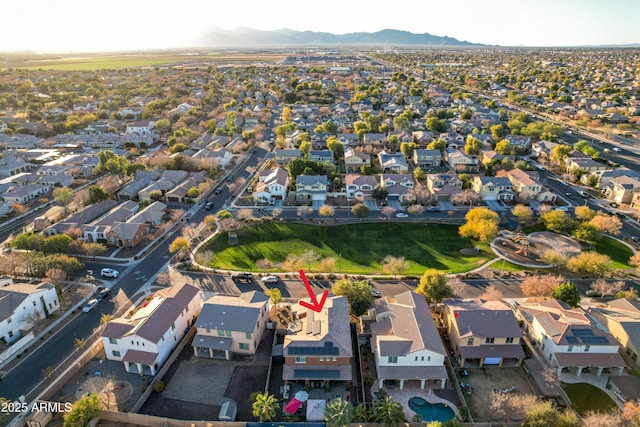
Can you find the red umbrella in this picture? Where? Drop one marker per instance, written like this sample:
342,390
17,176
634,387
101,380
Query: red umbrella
293,406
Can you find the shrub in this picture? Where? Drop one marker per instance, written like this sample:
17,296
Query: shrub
158,386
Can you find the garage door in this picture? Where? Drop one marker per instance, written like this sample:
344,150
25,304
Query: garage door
492,360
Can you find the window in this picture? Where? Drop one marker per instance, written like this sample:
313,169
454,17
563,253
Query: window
469,341
221,332
489,340
417,358
321,358
570,348
248,335
392,359
208,330
115,353
10,334
587,347
244,346
428,357
173,325
509,340
228,333
301,359
113,340
334,358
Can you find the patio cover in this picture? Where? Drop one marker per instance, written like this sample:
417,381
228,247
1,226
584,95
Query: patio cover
315,409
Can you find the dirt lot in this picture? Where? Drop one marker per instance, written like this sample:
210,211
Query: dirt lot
483,381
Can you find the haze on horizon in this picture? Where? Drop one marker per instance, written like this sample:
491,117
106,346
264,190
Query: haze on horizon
81,26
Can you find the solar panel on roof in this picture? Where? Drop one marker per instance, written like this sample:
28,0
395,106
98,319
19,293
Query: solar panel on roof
572,340
595,340
581,332
313,351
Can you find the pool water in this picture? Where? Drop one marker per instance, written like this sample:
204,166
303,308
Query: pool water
430,411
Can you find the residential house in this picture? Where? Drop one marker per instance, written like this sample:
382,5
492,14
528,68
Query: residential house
312,187
25,193
569,339
180,194
406,342
542,149
131,232
360,186
221,155
527,186
427,159
321,156
443,186
605,176
393,162
283,157
375,139
422,138
348,139
145,340
84,216
583,163
141,180
635,201
96,231
142,127
493,188
272,183
24,304
483,332
355,159
398,186
519,141
621,189
229,325
459,161
11,165
317,346
621,317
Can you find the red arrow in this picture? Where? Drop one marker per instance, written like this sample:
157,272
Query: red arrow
315,305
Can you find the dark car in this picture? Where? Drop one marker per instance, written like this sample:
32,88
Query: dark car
247,277
218,190
103,294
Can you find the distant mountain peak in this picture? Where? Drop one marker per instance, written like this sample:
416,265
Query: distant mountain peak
244,36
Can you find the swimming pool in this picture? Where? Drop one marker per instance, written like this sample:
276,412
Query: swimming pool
429,411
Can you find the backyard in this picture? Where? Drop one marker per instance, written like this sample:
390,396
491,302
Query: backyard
357,248
586,397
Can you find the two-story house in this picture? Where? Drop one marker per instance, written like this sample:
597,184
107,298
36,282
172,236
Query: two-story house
406,342
621,189
312,187
622,318
360,186
493,188
393,162
229,325
443,186
399,186
142,127
483,332
272,183
22,305
283,157
321,156
145,340
427,159
525,184
459,161
317,346
355,159
585,164
569,339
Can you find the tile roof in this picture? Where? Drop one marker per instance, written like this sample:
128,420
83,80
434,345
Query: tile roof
232,313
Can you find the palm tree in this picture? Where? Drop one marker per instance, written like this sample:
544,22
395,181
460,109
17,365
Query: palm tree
388,412
361,414
264,407
338,413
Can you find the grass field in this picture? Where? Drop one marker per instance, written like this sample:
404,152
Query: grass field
357,248
98,62
617,251
586,397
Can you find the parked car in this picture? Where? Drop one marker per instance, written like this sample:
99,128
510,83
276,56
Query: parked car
270,279
433,209
103,294
109,272
247,277
218,190
401,215
90,305
636,240
376,293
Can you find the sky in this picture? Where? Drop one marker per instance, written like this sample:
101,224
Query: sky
95,25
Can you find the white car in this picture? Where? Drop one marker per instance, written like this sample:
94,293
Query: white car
270,279
109,272
401,215
90,305
616,149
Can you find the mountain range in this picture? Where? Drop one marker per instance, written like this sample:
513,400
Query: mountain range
243,37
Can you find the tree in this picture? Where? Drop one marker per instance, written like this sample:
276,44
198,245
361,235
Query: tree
541,285
336,146
415,209
308,257
522,212
634,261
388,211
558,221
264,406
418,174
305,147
358,293
590,263
388,412
473,146
380,193
97,194
304,211
604,288
631,413
327,265
482,224
466,196
433,286
407,148
504,147
361,414
84,410
587,233
182,246
608,224
224,214
64,196
360,210
274,295
338,413
326,210
567,292
436,125
112,163
394,265
543,413
492,293
553,258
584,213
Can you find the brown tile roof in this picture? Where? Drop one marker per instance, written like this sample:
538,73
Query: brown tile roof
412,373
590,359
509,351
143,357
